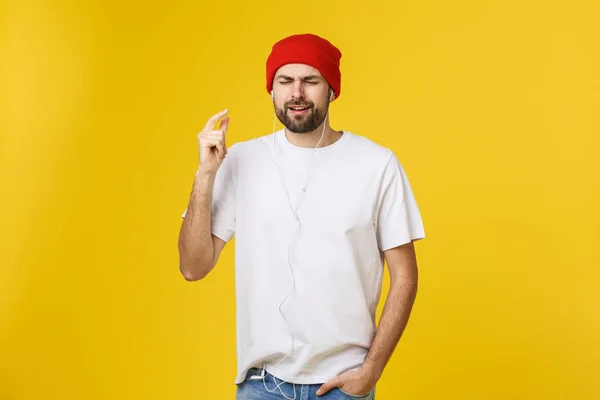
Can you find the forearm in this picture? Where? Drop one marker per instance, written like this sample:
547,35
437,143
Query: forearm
196,250
397,308
393,320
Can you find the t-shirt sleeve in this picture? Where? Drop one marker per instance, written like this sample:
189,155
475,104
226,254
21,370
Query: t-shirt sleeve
399,219
223,206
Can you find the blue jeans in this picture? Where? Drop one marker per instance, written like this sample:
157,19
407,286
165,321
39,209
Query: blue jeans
254,389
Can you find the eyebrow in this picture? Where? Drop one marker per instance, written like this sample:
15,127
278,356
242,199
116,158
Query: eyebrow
305,78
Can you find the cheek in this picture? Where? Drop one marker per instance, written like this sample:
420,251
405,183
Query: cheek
281,97
280,104
319,98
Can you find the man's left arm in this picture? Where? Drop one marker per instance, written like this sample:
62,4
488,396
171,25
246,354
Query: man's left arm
402,264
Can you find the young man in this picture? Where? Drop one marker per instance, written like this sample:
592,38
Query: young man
315,213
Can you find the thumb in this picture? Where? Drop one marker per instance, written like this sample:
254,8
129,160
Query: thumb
224,124
223,127
327,386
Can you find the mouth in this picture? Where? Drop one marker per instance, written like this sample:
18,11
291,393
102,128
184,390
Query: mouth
298,110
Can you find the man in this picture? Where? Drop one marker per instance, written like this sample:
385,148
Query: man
315,213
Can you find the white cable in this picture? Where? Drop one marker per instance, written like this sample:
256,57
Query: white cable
295,212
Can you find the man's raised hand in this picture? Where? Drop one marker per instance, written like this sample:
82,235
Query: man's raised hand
212,144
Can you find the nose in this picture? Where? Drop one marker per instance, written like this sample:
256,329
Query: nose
298,90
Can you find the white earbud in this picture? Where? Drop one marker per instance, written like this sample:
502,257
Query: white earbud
272,95
331,95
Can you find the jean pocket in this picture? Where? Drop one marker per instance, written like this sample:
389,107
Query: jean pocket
354,396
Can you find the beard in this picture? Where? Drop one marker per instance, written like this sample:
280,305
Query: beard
307,122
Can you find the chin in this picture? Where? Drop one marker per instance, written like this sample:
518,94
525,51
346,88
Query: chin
295,129
298,124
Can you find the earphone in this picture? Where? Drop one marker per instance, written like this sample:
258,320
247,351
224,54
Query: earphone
295,212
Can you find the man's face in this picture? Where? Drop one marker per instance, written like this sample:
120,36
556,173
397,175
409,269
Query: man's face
301,97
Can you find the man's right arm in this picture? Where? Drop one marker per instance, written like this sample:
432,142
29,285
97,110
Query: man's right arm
199,249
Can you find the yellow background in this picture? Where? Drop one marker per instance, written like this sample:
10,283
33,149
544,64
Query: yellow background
491,106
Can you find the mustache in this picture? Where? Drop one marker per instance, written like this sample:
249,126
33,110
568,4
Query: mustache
298,104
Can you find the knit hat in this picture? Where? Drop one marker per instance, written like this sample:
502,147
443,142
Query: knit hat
306,49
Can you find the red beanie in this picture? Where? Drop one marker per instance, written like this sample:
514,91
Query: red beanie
306,49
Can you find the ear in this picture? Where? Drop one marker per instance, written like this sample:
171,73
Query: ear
272,95
331,96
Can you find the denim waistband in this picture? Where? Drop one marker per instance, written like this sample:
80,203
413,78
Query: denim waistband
254,371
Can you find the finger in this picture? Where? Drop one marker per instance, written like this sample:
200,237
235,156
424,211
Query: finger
327,386
211,144
223,128
221,145
220,150
210,125
211,136
214,135
224,125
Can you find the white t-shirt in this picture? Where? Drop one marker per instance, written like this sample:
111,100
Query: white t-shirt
357,203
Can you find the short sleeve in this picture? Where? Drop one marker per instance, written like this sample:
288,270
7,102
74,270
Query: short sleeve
223,206
398,219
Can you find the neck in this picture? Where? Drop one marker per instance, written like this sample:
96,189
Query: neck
310,139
